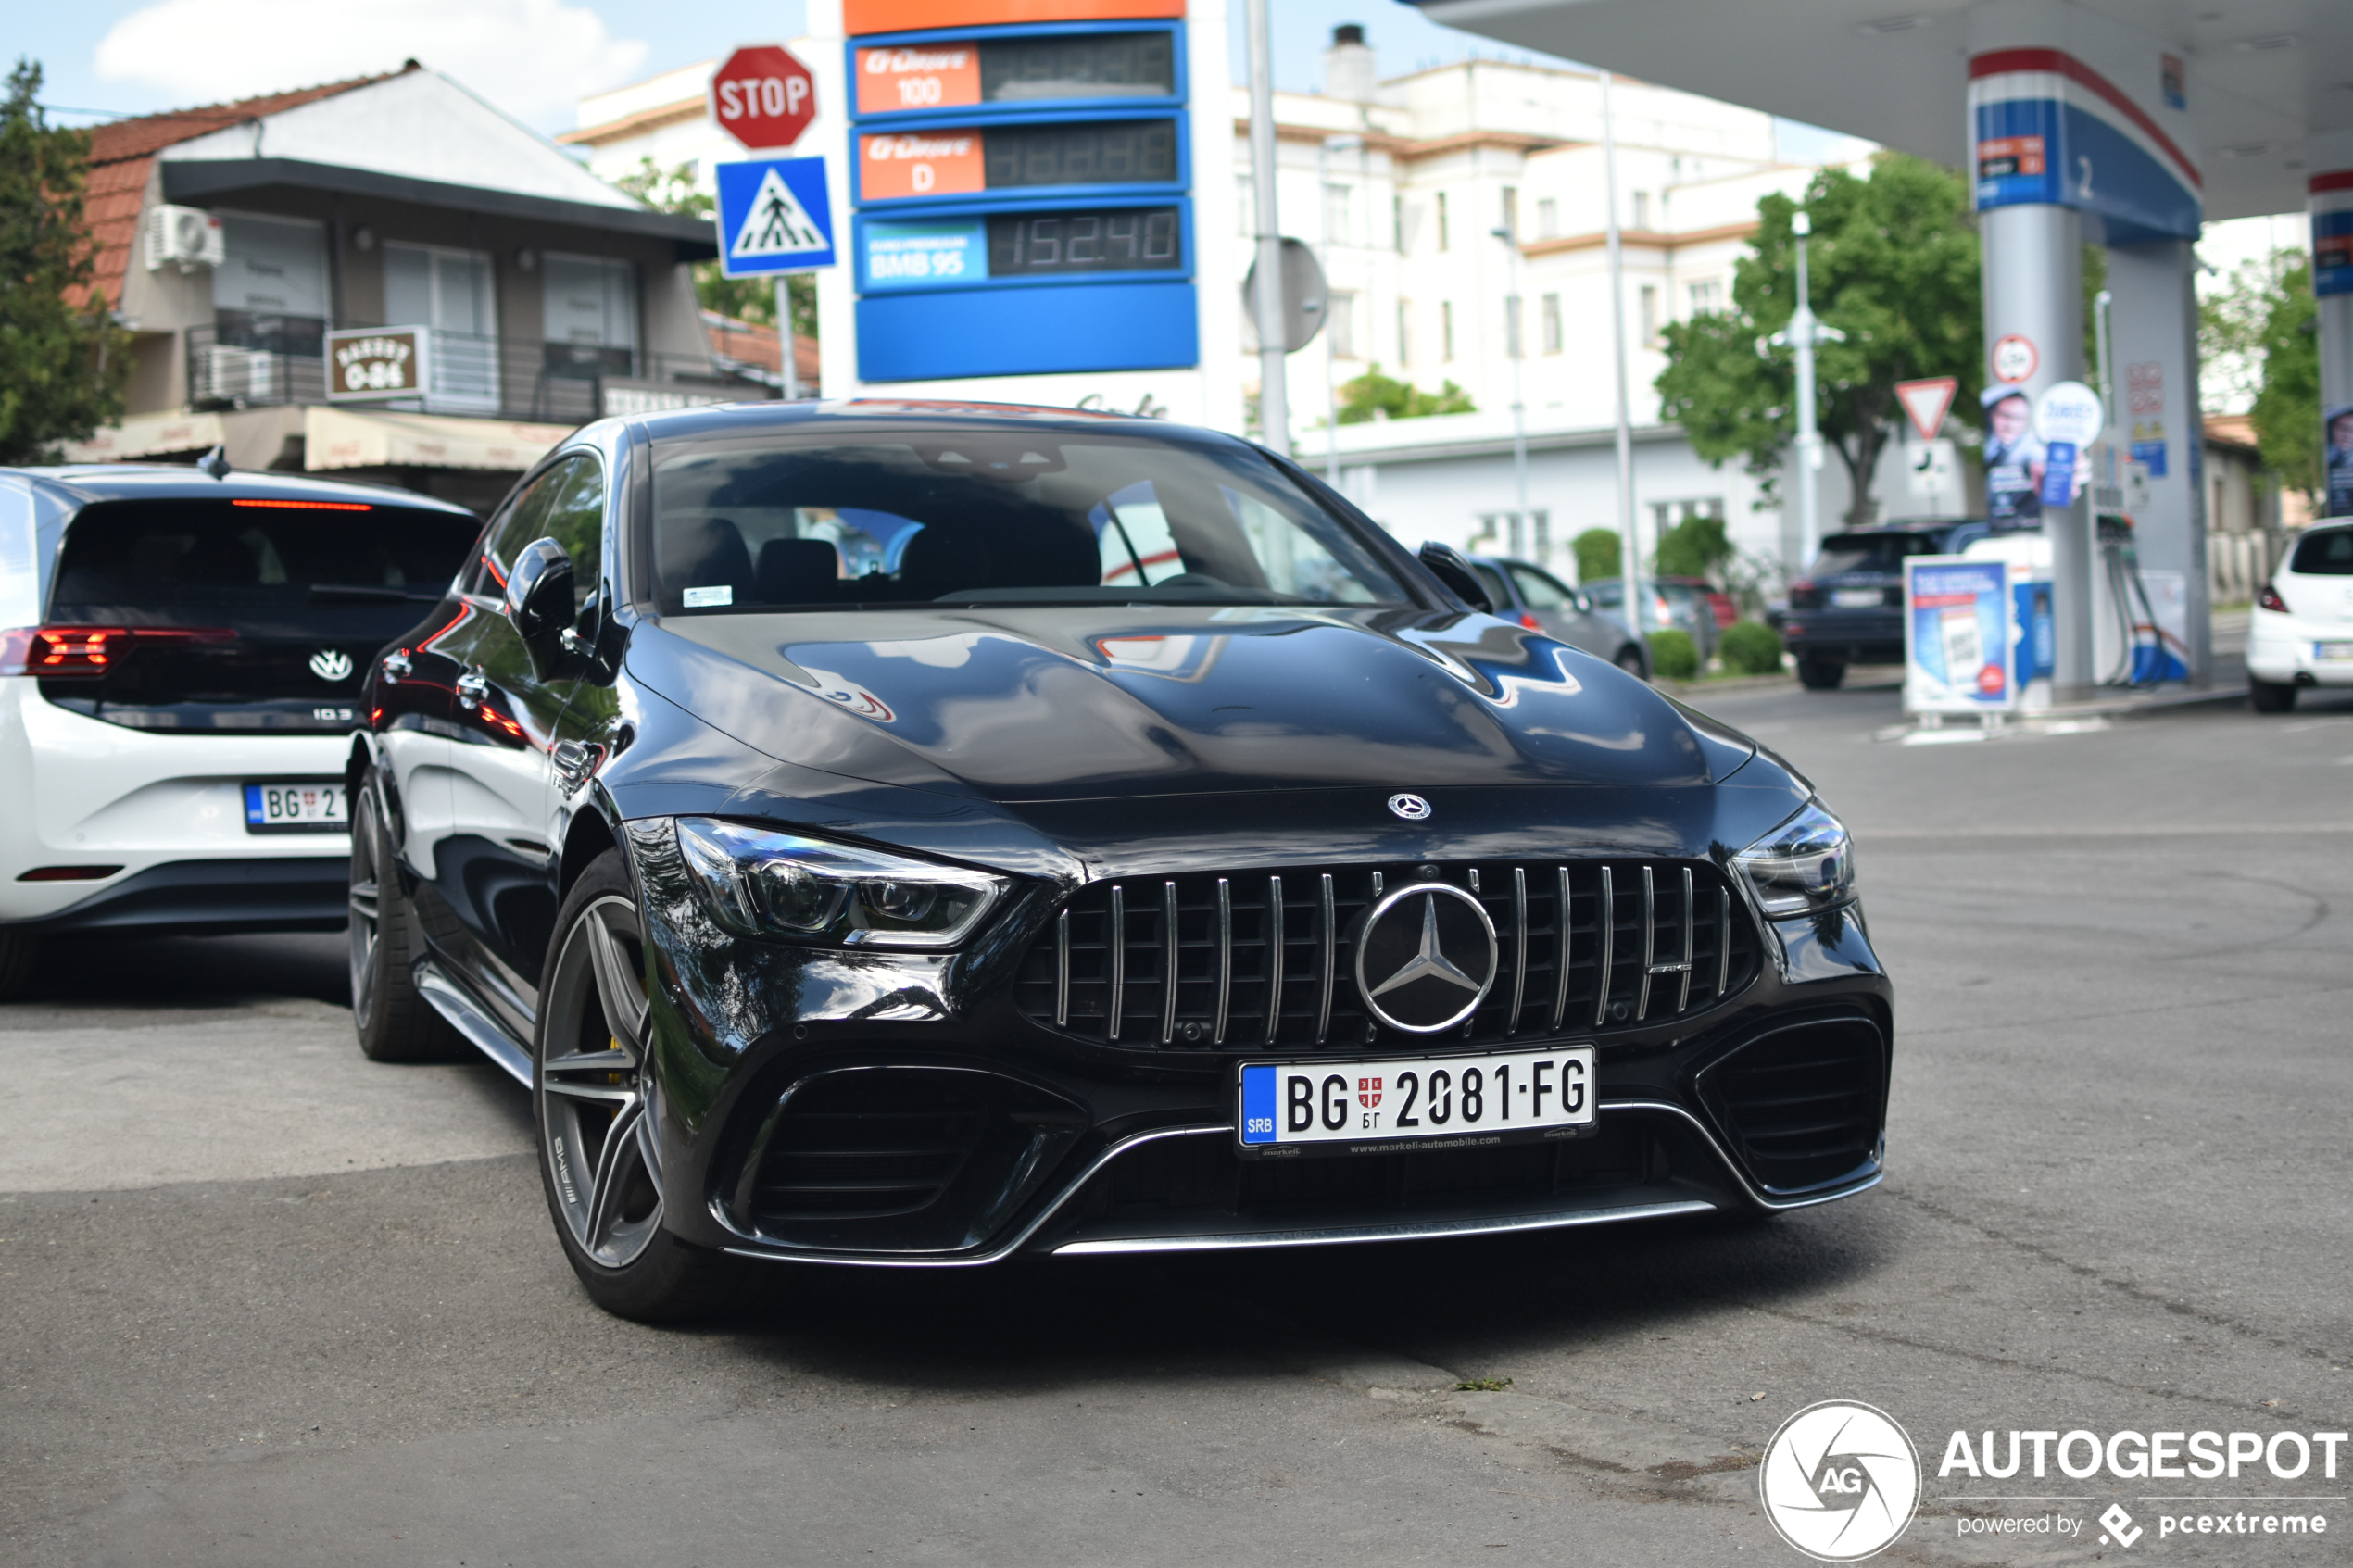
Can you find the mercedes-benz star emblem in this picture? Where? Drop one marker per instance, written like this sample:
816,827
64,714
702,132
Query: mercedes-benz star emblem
331,664
1412,807
1432,949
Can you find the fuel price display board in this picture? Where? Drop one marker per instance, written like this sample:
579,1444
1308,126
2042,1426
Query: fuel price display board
1019,189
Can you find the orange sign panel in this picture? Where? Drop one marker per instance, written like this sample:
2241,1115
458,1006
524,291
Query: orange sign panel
920,76
919,163
862,17
2009,155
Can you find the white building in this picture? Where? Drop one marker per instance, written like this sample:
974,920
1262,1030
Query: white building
1400,186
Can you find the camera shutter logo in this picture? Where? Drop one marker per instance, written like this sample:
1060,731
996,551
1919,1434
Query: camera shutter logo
1840,1481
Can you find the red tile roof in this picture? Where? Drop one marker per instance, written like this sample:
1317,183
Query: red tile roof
121,152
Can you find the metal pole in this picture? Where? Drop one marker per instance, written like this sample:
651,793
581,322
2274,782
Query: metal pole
1331,373
785,339
1274,399
1809,435
1516,319
1629,551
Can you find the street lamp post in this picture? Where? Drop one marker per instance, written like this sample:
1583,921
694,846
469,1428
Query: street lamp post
1324,151
1274,400
1628,551
1515,318
1804,333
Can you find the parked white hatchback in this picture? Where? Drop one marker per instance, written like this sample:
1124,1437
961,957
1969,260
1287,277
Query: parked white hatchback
2302,634
183,654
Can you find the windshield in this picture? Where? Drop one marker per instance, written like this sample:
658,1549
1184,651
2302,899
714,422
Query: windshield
981,515
2324,552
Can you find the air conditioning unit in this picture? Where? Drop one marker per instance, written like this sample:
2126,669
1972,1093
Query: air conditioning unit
188,236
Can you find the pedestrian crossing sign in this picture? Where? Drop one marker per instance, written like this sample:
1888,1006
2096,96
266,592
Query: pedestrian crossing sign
774,215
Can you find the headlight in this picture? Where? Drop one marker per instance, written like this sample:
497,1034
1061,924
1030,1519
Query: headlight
1806,864
759,882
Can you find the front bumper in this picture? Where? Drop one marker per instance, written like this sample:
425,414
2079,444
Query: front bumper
894,1110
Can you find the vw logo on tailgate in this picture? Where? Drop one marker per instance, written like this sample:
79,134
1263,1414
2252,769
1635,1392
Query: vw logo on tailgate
331,665
1426,957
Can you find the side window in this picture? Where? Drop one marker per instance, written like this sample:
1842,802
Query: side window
1541,590
1492,580
565,503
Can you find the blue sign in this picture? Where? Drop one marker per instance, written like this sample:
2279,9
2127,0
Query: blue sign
913,254
1958,640
2058,473
774,215
2152,454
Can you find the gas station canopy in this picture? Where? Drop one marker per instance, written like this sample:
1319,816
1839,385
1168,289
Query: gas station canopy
2262,79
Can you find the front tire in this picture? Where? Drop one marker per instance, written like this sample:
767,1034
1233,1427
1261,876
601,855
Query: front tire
596,1103
394,1020
1629,658
2270,696
1816,673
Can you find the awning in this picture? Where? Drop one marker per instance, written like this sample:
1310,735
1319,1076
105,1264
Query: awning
149,435
348,438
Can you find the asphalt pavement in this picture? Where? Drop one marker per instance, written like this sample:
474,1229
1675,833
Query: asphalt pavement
262,1302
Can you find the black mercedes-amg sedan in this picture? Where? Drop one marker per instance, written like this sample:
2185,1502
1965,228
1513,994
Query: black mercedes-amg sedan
913,834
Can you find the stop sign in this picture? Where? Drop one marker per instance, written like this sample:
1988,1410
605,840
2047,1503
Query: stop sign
762,96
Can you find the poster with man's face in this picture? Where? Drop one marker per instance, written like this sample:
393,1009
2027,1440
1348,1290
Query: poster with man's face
2014,460
2337,459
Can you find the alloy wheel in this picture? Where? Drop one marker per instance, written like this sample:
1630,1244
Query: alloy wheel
596,1134
366,909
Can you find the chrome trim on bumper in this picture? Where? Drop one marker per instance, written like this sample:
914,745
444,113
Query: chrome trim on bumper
1403,1231
1755,1194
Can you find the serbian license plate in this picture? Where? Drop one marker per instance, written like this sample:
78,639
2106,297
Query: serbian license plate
1858,599
294,807
2332,650
1426,1102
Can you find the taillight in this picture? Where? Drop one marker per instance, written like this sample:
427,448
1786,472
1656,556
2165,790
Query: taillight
1530,621
61,651
2270,599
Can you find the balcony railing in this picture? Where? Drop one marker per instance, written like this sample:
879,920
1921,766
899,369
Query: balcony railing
245,361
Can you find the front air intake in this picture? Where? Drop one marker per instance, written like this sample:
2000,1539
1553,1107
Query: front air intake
1806,1104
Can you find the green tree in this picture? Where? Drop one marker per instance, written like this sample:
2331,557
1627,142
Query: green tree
1894,266
1694,547
62,359
1600,554
747,299
1373,395
2287,414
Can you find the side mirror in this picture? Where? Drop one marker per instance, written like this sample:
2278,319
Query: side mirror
539,592
1446,563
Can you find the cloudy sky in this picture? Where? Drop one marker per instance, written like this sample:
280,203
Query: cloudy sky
533,57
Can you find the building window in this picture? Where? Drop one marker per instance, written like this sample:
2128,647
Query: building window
1343,325
1442,237
1650,313
590,300
1667,514
1397,224
1641,209
1552,323
1446,331
1338,221
1548,218
270,293
1404,332
1707,299
1511,211
1511,326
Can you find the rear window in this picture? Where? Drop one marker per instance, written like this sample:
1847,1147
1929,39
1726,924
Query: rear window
964,514
255,565
2324,552
1844,553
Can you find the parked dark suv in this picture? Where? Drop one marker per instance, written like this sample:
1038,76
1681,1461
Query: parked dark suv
1849,609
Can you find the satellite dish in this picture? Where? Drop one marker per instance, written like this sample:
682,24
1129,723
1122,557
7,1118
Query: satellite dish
1306,296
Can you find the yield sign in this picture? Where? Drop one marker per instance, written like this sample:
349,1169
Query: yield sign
1926,402
773,217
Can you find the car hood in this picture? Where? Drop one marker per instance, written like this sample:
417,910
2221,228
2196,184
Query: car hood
1069,703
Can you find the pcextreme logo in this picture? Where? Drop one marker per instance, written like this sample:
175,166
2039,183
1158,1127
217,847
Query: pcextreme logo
1840,1481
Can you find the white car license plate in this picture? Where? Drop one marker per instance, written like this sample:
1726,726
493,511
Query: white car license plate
1436,1102
2332,650
312,807
1858,599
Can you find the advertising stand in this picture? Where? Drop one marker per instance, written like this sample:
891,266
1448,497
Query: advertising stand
1960,638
